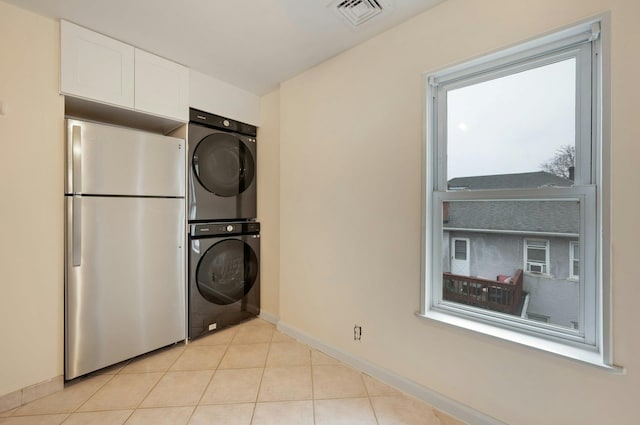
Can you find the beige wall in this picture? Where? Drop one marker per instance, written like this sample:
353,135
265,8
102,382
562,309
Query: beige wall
351,139
269,202
31,212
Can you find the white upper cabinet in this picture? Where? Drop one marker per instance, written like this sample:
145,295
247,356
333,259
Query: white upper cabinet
95,67
161,86
100,69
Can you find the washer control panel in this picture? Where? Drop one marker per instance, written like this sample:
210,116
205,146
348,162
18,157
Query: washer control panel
222,123
201,230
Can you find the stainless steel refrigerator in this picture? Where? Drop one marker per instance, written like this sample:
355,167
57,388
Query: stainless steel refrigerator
124,244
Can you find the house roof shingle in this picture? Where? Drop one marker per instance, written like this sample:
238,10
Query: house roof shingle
509,181
513,215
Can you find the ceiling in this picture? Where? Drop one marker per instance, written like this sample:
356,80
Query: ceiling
251,44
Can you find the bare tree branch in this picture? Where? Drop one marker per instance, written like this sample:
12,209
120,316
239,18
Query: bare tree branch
560,164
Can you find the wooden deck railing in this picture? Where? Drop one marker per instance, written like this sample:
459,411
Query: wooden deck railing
485,293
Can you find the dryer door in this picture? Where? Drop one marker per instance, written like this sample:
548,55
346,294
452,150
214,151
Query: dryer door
223,164
227,271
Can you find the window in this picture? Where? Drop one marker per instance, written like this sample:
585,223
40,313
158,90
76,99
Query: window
513,167
574,260
536,256
460,251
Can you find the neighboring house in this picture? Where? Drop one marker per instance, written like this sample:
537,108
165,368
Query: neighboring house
491,241
509,181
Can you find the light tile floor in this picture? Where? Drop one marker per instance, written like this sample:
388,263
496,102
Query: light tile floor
250,374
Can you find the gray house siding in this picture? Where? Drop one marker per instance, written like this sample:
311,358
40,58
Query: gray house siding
558,299
554,295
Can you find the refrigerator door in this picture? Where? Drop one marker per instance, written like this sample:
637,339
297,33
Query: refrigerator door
125,279
107,160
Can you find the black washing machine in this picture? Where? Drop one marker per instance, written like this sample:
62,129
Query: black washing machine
222,168
224,275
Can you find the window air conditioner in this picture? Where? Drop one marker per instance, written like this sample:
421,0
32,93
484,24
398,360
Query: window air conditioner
535,268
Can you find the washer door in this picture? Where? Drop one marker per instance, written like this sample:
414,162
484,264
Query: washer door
223,164
227,271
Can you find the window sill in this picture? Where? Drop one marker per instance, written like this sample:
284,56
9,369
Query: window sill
541,275
585,356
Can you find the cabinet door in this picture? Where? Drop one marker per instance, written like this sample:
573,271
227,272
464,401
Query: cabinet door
161,86
95,67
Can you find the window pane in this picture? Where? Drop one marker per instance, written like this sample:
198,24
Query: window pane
516,131
536,255
461,250
511,270
575,259
576,268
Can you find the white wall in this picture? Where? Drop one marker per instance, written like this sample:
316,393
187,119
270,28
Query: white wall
217,97
269,203
351,142
31,206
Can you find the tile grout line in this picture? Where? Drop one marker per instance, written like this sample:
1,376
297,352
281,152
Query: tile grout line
138,405
264,368
91,375
90,397
375,415
212,376
164,373
313,392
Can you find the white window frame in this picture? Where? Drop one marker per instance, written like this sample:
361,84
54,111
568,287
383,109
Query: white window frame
572,259
530,264
538,317
591,343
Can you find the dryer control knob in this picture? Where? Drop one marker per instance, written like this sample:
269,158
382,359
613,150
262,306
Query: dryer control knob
229,228
226,123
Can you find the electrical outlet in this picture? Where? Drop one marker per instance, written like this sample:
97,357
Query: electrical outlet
357,333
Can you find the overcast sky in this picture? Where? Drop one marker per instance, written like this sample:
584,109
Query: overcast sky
511,124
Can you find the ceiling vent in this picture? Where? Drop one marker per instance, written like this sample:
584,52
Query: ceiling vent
358,11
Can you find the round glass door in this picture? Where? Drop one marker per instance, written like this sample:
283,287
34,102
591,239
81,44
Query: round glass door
223,164
227,272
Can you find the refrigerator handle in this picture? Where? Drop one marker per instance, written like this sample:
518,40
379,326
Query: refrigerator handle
76,229
76,152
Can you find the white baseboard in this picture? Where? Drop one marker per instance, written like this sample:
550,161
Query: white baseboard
435,399
269,317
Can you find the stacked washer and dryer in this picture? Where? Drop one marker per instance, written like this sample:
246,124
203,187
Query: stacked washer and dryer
224,236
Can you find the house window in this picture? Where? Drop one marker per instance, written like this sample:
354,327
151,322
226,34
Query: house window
536,256
574,260
513,154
